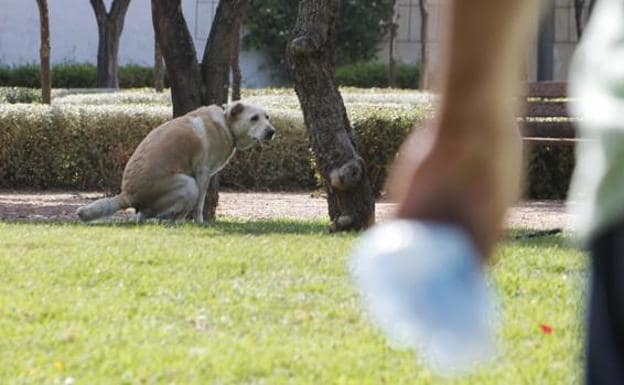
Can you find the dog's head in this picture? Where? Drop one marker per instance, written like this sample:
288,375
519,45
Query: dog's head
248,124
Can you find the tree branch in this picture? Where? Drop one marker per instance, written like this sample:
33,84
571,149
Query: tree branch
118,9
100,10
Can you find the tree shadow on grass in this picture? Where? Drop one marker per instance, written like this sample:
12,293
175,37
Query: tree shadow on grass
542,238
219,227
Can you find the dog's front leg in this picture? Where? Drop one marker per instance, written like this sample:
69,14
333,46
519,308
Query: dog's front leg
203,181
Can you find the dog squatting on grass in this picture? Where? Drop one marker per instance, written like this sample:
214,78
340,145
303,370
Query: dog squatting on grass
168,175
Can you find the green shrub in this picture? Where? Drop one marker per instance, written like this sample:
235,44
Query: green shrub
5,75
366,75
87,147
135,76
549,170
361,27
74,76
24,76
19,95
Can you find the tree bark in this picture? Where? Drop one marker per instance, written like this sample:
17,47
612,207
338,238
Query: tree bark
192,84
110,25
546,44
44,52
159,71
591,7
578,17
394,28
178,51
424,36
215,65
237,76
310,56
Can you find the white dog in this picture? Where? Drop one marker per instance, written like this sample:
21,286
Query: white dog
168,175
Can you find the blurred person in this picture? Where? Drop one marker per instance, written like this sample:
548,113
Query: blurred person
468,172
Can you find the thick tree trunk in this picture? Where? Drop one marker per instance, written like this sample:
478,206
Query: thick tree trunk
311,61
193,85
237,76
394,28
215,70
44,52
178,51
159,71
424,36
110,25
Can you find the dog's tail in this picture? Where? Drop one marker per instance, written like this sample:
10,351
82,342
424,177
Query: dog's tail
103,207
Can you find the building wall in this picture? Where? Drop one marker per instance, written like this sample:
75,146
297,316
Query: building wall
74,36
408,41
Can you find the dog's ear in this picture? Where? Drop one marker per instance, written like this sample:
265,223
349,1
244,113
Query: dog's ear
236,109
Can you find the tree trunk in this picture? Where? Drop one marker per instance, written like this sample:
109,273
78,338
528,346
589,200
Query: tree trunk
590,9
178,51
159,71
44,52
424,36
215,65
311,61
193,85
392,70
110,25
237,76
578,17
546,44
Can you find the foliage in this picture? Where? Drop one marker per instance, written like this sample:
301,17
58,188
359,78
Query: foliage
366,75
84,140
361,27
549,171
19,95
75,76
248,302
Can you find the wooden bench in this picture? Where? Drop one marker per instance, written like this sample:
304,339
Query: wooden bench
546,120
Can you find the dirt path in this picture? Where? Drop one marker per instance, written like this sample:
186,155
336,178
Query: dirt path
62,205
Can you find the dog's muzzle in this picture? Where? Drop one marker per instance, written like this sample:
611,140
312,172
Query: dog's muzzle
269,134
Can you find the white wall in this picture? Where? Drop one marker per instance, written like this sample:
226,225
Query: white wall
74,37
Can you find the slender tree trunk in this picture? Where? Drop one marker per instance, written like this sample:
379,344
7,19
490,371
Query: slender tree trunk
311,61
193,85
546,44
110,25
44,52
159,71
215,65
237,76
424,37
578,17
591,7
394,28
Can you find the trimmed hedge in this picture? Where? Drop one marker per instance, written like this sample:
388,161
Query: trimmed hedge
19,95
75,76
87,146
549,171
366,75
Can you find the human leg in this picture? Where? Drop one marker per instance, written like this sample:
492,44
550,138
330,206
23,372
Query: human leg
605,332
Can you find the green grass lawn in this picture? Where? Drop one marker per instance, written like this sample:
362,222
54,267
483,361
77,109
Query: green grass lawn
247,303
